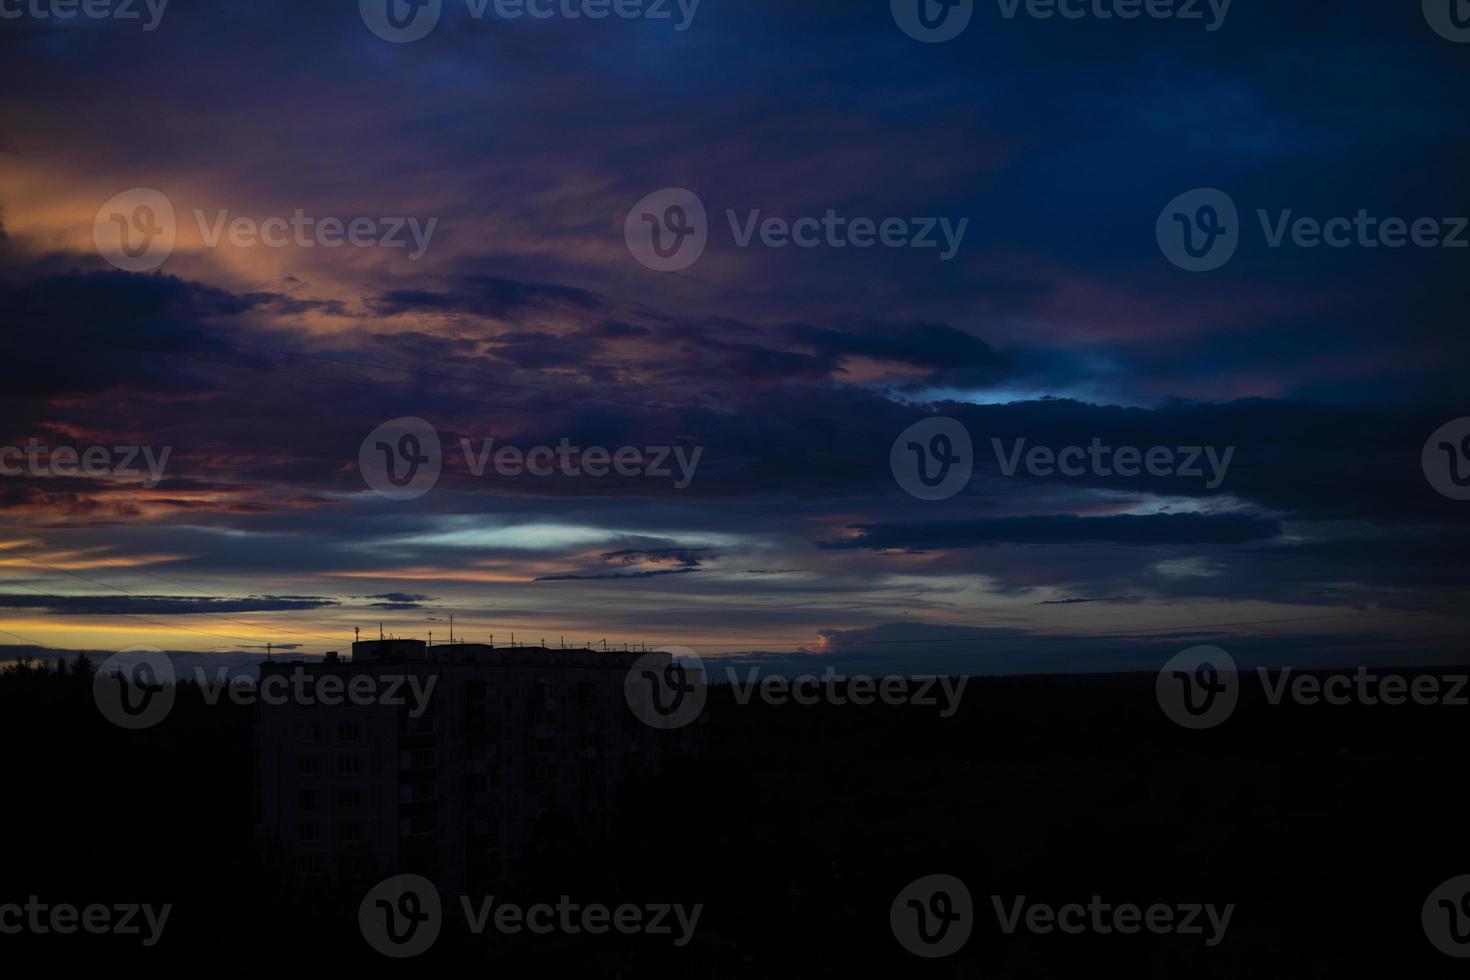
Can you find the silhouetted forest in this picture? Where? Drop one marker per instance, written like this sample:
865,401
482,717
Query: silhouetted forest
795,827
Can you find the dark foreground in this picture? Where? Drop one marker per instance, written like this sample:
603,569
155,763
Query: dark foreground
1326,827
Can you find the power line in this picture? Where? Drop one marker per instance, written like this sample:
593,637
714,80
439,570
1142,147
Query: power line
27,639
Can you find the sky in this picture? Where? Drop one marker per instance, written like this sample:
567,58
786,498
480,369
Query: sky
504,167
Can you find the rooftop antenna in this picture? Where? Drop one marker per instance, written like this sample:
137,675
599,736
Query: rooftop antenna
356,634
267,653
380,631
492,641
451,627
604,646
431,637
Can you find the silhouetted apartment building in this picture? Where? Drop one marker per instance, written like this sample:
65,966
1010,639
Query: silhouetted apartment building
449,784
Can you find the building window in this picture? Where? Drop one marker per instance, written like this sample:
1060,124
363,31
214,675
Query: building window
349,765
306,799
348,799
310,833
348,731
306,765
351,832
309,731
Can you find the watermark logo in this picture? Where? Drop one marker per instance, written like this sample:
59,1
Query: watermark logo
401,458
666,689
1446,459
91,9
401,916
933,458
401,21
667,231
309,689
1199,687
134,688
932,21
1199,230
1450,19
135,230
933,916
1446,917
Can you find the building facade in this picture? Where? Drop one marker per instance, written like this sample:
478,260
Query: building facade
438,760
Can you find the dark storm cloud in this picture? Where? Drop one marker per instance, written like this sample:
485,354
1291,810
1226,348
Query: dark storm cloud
90,332
1124,529
535,350
1309,461
617,330
486,296
938,347
157,605
398,600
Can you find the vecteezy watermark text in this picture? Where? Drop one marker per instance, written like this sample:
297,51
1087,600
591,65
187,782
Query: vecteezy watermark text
310,688
934,21
838,231
1200,230
668,231
96,462
124,10
403,21
137,230
1103,460
565,459
402,916
403,458
933,917
136,688
934,458
668,688
1200,687
926,691
1102,918
63,919
305,231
